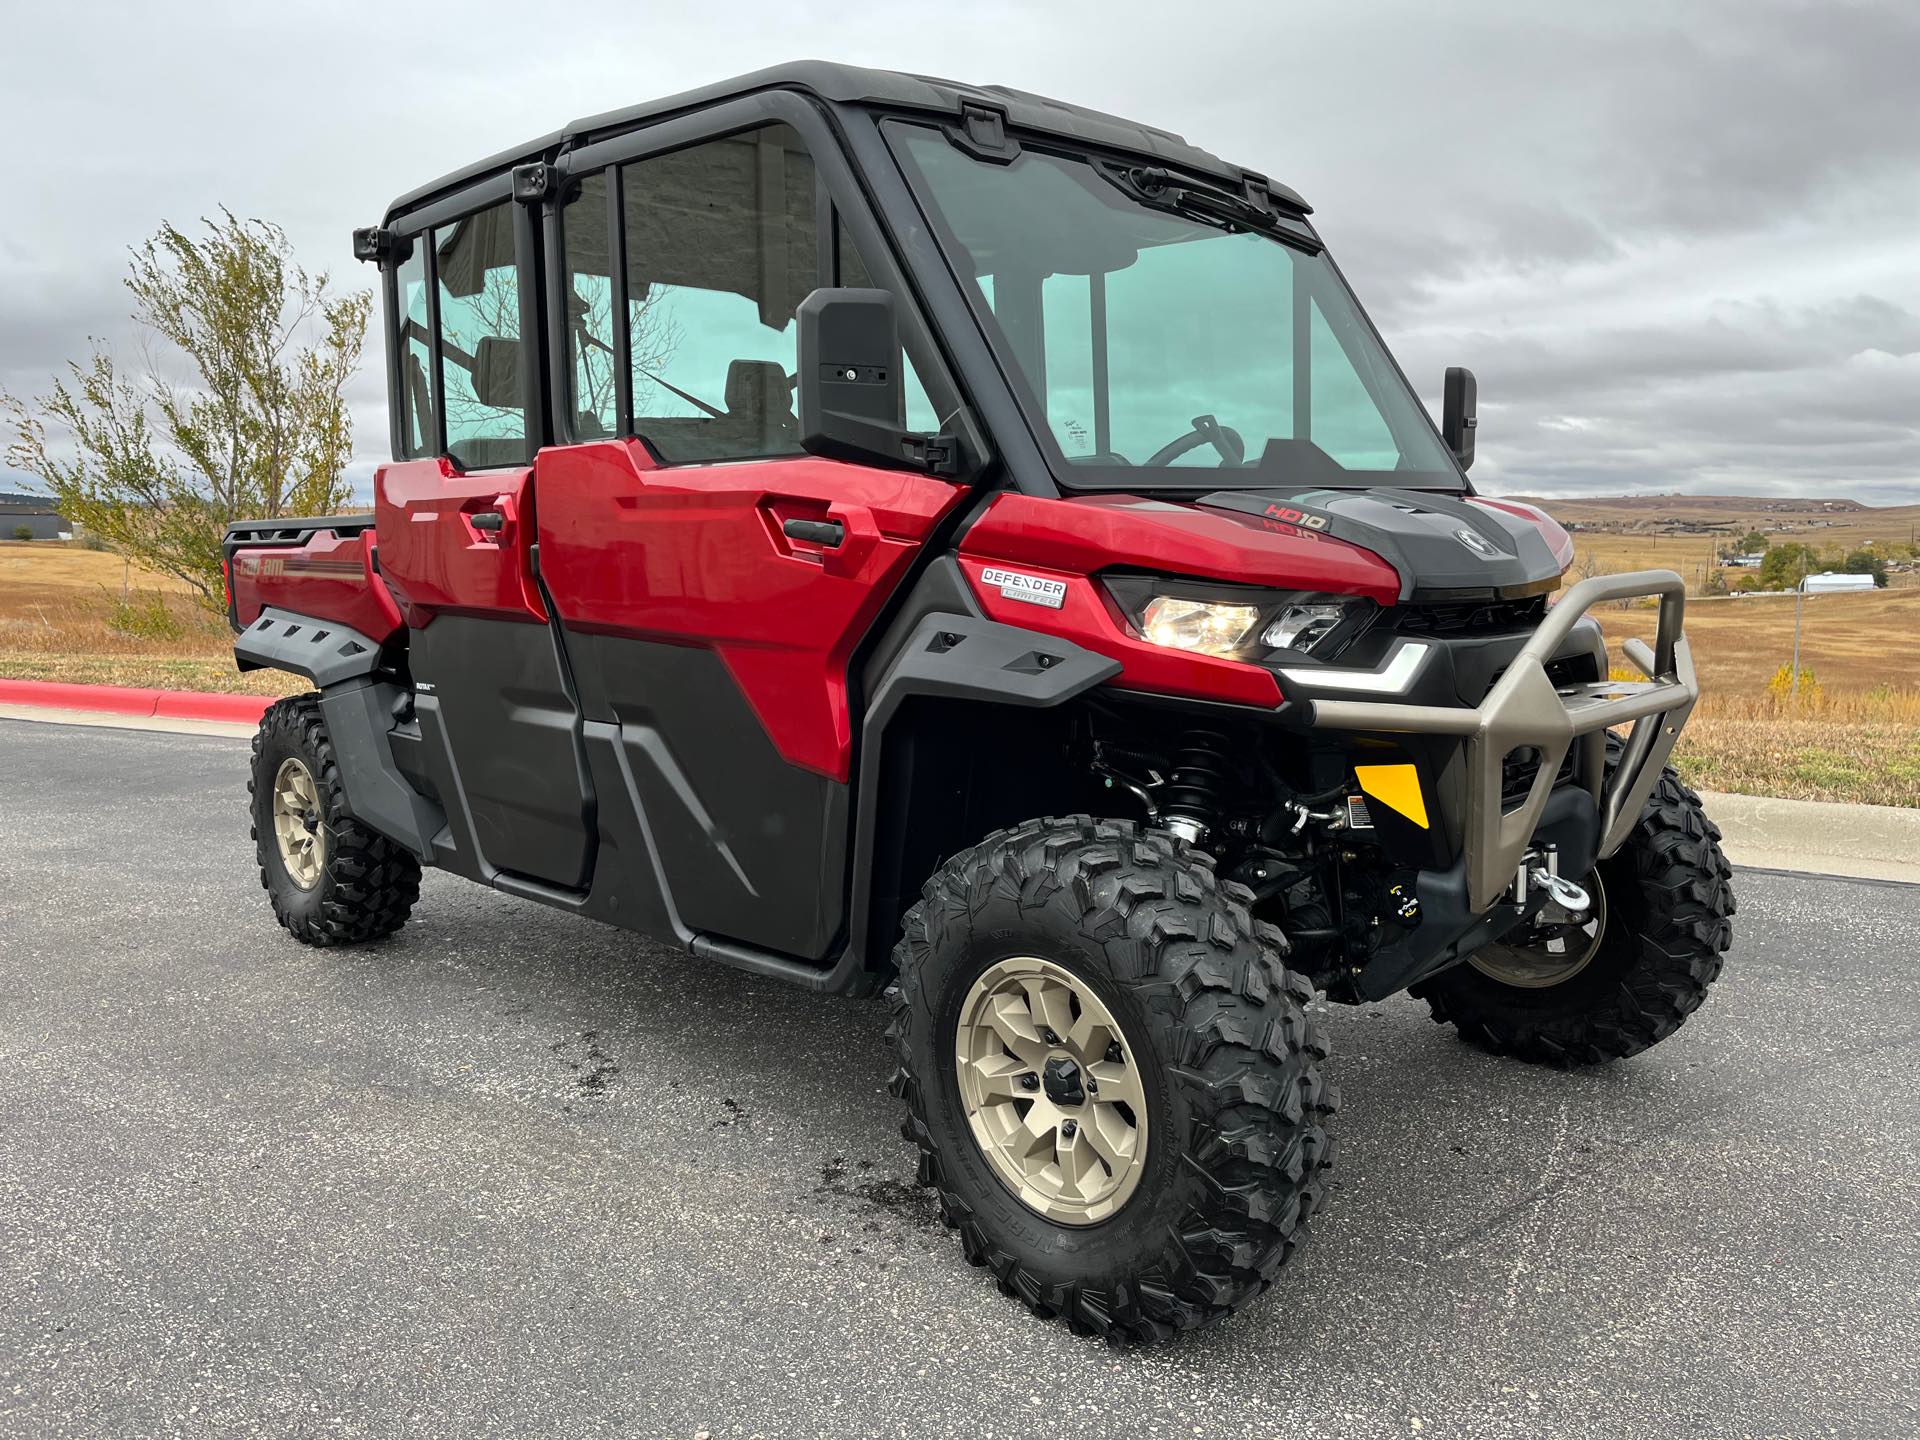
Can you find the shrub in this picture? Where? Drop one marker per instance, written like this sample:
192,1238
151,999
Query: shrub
144,615
23,532
1782,690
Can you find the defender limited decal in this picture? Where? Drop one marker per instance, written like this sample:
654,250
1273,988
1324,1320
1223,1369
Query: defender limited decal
1029,588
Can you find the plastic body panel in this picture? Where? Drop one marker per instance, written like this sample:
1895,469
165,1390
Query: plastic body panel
1071,540
434,558
329,577
695,555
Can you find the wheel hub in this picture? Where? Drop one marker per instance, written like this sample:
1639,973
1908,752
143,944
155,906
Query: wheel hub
1050,1090
1553,949
1061,1079
296,824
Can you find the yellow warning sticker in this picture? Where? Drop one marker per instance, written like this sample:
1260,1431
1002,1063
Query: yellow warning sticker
1397,787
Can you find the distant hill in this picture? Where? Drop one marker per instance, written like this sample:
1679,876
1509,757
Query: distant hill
1838,521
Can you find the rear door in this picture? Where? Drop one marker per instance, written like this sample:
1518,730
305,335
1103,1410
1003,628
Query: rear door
713,582
499,727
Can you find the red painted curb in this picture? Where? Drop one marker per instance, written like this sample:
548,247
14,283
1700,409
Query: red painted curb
122,700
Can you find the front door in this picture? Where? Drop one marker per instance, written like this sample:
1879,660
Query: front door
711,580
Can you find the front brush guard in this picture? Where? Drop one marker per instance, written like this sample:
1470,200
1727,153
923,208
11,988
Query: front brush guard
1526,710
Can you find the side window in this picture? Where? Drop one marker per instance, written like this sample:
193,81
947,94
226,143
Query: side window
721,249
589,301
419,435
854,273
479,285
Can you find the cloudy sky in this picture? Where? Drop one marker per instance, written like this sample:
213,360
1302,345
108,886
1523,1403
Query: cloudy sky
1678,244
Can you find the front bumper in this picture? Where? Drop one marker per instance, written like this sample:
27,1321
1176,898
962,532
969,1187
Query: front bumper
1525,709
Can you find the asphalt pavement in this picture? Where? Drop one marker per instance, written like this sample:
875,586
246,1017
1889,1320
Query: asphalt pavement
512,1173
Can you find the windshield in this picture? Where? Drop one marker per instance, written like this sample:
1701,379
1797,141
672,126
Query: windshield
1213,354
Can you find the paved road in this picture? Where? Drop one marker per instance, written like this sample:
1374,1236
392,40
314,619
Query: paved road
516,1174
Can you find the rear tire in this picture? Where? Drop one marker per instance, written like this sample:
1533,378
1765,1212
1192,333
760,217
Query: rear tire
1669,897
341,883
1233,1126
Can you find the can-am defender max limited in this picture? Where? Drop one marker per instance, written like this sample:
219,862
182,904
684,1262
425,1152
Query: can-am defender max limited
876,531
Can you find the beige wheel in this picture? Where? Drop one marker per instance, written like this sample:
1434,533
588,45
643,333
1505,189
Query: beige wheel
296,824
1051,1092
1552,951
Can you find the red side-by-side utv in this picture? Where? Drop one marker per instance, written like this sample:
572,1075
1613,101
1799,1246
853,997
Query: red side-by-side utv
882,532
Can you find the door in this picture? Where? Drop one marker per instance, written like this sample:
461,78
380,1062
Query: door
711,581
499,741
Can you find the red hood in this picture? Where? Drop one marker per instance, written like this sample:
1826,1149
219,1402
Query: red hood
1090,533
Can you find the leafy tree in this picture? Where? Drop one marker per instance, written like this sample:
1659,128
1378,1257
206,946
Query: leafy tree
23,532
252,425
1867,562
1785,564
1754,542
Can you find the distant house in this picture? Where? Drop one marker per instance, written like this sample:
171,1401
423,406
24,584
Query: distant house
36,513
1830,583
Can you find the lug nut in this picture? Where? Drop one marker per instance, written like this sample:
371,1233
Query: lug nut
1029,1082
1070,1128
1114,1056
1052,1039
1093,1086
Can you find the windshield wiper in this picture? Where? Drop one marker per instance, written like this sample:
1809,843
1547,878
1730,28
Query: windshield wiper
1163,190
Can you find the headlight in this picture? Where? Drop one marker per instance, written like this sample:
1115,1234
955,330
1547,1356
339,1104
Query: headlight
1238,621
1301,627
1212,627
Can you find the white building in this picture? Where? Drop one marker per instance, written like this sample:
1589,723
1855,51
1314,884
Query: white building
1829,583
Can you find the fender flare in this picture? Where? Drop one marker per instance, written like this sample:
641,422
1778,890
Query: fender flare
952,656
324,651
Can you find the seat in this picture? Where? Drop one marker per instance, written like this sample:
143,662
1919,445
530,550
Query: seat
759,407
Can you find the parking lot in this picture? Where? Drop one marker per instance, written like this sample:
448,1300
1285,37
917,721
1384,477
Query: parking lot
512,1173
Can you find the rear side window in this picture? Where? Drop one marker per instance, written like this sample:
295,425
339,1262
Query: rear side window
721,248
588,295
479,294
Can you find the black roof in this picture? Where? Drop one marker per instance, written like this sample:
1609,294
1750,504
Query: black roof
852,84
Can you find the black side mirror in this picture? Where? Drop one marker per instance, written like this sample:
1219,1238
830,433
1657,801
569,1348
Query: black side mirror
496,372
1458,421
848,392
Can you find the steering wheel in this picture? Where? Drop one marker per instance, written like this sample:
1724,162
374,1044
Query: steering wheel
1206,431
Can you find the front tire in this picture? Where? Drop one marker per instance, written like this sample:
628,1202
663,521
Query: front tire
1667,901
332,880
1122,943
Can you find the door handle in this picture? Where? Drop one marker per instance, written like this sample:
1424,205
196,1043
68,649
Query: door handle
491,520
828,533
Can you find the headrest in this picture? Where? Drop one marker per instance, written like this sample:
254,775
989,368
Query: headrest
757,387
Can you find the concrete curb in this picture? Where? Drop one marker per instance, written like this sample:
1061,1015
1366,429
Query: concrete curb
142,704
1865,842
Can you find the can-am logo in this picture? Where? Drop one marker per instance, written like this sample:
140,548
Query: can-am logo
1478,544
1289,515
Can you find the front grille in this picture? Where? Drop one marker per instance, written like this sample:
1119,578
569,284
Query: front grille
1469,617
1517,772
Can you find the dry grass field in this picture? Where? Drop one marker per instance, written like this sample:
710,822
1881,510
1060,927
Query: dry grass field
59,620
1855,736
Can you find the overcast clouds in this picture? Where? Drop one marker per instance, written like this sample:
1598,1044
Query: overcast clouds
1679,245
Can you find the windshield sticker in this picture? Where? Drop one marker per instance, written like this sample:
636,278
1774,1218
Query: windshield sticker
1029,588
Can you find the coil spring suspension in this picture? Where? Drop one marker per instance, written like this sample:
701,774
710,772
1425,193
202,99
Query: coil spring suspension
1192,795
